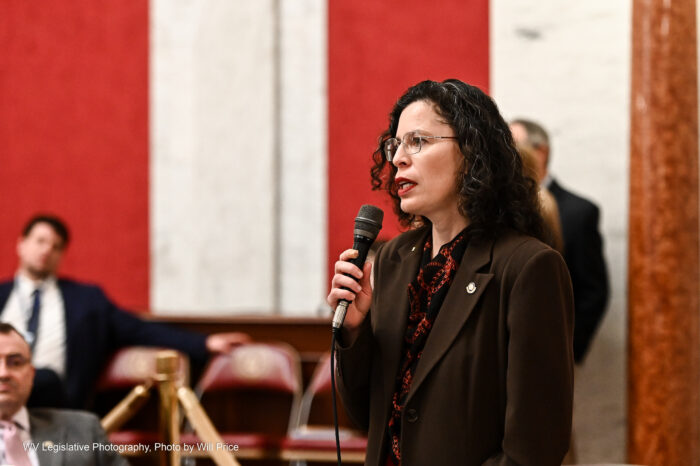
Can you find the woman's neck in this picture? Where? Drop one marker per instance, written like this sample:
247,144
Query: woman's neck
444,231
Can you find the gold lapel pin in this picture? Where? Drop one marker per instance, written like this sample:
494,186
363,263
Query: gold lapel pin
471,287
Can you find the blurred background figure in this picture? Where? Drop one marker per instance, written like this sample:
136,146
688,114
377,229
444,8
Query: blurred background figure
583,245
550,211
73,327
573,223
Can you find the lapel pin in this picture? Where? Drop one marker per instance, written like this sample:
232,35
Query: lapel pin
413,248
471,288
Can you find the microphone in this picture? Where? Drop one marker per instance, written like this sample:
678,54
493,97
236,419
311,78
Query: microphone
367,225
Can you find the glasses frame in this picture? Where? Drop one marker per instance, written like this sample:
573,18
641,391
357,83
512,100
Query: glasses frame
398,142
14,361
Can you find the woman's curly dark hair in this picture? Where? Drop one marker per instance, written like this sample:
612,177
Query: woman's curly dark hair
494,193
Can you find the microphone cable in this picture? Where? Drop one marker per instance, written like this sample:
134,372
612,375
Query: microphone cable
367,225
334,338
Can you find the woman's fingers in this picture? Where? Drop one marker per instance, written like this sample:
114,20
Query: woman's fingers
341,280
348,254
344,284
338,294
343,266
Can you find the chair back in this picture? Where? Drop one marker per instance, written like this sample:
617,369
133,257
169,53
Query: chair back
316,407
133,365
320,383
251,377
312,436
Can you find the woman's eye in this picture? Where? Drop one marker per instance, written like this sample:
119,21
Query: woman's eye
414,140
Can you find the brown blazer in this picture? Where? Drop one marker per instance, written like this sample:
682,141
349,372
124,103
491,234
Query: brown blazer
495,382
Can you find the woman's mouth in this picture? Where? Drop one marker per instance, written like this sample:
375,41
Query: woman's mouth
404,186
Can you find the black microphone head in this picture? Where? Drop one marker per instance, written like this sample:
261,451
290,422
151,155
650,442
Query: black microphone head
368,221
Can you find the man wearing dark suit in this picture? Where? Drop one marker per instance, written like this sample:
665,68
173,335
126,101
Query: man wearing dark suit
73,327
583,245
43,436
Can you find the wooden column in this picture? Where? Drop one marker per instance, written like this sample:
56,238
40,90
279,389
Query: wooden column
664,344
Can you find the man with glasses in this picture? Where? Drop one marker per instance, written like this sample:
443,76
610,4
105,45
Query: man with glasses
42,436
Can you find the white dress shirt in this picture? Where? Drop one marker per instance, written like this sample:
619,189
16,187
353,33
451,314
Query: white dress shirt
50,348
547,181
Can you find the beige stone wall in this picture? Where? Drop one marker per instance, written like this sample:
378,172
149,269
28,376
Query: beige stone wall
238,156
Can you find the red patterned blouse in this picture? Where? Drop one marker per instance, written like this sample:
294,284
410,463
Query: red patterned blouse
426,294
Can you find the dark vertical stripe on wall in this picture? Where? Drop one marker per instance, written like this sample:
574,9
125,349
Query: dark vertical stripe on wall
74,135
376,51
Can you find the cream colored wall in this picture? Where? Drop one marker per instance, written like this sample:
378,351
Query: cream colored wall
238,156
303,207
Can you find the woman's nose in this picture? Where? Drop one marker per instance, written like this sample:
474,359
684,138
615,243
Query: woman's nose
400,157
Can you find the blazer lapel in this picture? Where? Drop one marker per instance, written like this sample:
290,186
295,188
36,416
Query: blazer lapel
5,290
462,297
46,435
391,325
74,316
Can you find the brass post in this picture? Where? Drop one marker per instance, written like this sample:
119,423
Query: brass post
126,408
166,372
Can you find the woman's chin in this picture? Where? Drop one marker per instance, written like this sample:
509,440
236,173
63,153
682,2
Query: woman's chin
408,207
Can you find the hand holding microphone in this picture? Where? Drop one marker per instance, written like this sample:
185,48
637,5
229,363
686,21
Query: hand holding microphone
351,291
352,285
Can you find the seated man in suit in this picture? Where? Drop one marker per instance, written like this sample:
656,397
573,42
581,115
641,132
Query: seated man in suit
583,245
41,435
73,327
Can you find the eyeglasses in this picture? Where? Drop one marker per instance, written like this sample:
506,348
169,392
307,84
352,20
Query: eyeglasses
14,361
412,144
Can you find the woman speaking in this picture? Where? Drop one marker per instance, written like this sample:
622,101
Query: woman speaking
457,347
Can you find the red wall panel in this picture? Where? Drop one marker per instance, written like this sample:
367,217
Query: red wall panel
377,49
74,135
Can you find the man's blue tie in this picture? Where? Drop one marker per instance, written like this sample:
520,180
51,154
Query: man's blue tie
33,323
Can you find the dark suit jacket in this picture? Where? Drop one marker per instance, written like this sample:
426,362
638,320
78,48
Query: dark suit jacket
494,385
583,253
96,327
56,428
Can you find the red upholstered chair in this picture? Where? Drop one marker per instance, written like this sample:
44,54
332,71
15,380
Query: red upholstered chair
134,365
252,397
307,442
128,368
